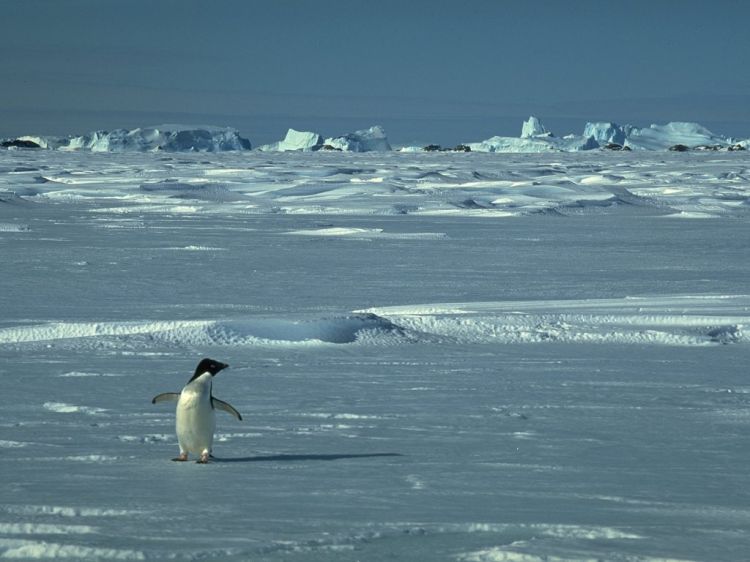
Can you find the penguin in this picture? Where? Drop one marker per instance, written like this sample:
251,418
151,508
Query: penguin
196,411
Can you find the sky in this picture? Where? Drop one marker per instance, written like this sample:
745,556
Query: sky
427,71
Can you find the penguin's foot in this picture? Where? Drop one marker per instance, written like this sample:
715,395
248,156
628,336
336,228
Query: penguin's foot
181,458
203,459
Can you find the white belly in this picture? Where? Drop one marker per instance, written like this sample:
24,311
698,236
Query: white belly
195,422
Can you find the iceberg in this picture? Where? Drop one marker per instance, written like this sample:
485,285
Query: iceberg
41,142
170,138
512,144
535,137
534,128
373,139
571,143
19,143
606,133
662,137
295,140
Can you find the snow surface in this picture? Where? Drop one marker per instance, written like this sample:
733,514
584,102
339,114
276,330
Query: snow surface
459,357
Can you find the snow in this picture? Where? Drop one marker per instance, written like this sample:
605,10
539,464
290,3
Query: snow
450,357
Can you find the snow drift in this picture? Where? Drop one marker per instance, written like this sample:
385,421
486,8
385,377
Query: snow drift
667,320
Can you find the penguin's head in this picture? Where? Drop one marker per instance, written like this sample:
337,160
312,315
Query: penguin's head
207,365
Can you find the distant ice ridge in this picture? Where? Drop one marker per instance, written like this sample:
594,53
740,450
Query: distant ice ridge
187,138
373,139
535,137
170,138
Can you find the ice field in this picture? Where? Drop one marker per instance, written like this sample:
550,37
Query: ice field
440,357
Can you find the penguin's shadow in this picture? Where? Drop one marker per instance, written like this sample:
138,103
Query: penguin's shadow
309,457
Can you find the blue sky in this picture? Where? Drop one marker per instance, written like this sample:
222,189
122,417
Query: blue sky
441,71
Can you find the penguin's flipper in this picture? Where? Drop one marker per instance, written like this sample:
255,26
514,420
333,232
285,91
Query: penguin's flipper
166,397
221,405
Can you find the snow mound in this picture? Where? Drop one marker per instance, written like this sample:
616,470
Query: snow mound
347,329
169,138
303,141
239,332
373,139
677,321
705,320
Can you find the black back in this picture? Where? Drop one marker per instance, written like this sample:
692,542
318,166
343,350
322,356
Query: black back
208,366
